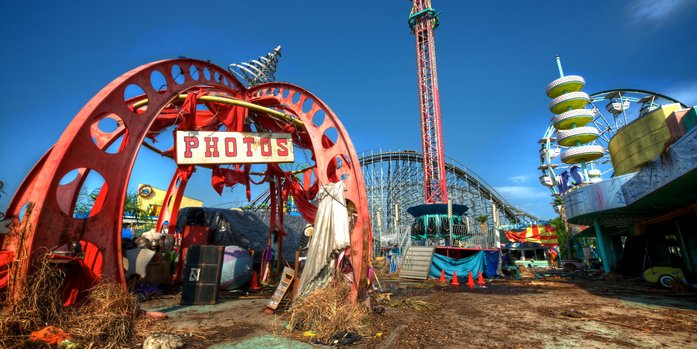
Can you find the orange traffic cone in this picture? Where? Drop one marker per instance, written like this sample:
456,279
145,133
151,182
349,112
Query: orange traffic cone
454,282
254,285
480,280
442,277
470,281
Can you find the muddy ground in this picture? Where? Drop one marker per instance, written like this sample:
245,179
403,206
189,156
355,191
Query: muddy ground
553,312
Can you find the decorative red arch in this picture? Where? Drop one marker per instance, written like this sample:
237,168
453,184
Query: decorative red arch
192,99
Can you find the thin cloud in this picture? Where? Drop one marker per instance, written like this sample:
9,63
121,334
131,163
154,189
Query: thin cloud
521,179
518,192
686,93
655,11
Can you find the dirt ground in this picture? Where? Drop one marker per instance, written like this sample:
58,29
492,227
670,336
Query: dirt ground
552,312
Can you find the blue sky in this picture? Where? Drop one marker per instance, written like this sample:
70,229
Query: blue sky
494,61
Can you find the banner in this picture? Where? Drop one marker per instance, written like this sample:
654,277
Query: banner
207,147
540,234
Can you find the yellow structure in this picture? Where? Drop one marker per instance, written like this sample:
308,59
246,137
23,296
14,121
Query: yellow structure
150,199
641,141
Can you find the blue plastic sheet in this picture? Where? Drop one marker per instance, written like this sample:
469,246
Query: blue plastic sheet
462,266
491,263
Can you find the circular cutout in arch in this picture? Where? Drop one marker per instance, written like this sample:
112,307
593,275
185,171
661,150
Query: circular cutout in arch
158,81
108,133
296,97
329,138
338,169
23,211
81,193
132,94
193,72
307,105
318,117
206,73
177,74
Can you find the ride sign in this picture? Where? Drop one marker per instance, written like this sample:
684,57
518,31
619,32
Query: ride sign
208,147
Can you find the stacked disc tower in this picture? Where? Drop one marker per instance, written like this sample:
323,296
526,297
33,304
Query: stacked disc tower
572,120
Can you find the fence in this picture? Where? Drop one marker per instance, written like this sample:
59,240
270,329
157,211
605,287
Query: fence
461,237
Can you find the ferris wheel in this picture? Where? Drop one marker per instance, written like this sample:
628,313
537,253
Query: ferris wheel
576,143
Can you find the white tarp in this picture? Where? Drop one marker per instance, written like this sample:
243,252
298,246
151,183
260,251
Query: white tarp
331,235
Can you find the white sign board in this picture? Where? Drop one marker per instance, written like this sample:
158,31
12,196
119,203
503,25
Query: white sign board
207,147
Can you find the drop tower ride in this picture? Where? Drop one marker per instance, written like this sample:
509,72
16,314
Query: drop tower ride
437,215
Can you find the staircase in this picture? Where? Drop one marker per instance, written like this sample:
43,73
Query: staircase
417,262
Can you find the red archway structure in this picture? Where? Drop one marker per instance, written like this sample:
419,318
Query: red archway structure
196,96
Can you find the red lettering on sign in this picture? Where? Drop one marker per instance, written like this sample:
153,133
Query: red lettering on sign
265,144
248,141
282,146
211,146
191,143
230,142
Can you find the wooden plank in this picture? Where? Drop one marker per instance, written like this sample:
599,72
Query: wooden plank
282,288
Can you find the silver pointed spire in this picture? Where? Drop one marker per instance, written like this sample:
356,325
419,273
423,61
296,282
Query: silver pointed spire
258,71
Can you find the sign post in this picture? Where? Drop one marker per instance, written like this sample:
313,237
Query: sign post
450,219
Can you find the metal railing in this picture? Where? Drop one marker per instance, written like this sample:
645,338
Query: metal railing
461,237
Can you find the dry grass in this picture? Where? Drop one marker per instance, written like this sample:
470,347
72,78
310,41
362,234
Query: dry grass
39,305
108,317
327,311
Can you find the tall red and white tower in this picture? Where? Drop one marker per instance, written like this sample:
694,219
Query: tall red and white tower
422,21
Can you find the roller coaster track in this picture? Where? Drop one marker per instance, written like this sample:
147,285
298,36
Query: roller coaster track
394,183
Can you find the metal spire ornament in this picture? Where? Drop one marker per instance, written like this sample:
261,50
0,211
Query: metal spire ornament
259,71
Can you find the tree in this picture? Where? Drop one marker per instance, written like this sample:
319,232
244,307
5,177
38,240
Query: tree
483,223
563,225
131,208
85,202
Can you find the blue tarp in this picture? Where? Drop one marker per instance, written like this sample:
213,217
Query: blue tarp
485,261
462,266
491,263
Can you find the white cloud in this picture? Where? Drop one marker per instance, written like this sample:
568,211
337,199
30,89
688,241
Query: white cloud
655,10
518,192
521,179
686,93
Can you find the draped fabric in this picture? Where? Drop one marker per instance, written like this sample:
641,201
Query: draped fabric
222,177
302,198
331,233
491,263
545,235
188,111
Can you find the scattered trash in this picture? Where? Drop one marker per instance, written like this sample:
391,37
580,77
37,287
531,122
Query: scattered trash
67,344
147,291
50,335
341,338
310,334
163,341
